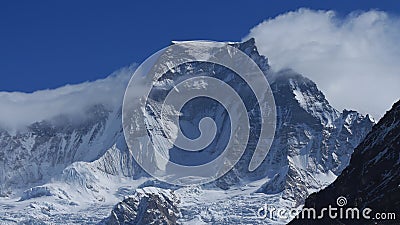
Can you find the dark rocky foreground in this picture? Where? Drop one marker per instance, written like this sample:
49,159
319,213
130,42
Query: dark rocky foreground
370,181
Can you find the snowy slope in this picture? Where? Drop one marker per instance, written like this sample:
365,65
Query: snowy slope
60,172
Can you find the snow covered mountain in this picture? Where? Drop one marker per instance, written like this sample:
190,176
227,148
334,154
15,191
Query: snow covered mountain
63,170
371,179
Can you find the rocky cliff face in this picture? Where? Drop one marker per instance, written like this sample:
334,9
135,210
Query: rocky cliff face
147,206
43,149
88,165
313,142
372,178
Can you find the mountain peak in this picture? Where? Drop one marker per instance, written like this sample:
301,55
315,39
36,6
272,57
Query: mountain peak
289,84
93,161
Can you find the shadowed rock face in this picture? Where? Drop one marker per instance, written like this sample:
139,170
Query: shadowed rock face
372,178
312,138
147,206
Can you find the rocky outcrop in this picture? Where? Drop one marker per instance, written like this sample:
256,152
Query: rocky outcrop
147,206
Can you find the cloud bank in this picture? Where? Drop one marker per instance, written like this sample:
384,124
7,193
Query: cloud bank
18,109
354,60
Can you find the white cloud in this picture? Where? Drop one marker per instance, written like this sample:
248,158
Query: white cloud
19,109
354,60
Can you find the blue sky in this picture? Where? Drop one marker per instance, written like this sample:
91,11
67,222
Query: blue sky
47,44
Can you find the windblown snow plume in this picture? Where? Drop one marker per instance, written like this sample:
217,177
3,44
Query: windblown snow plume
353,59
19,109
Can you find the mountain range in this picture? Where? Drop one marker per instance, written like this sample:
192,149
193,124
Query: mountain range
73,169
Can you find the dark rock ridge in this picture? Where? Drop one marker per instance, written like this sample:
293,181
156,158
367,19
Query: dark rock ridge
147,206
372,178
